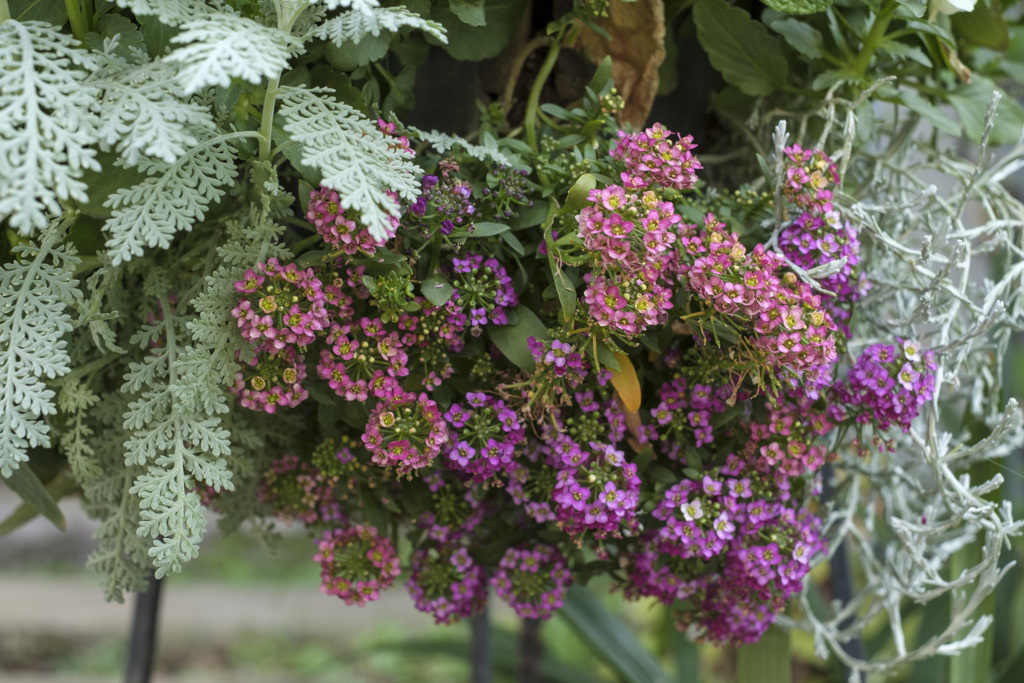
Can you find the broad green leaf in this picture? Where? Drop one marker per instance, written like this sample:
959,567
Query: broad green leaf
473,43
437,289
767,660
577,198
929,112
50,11
983,26
799,6
26,484
971,103
626,383
469,11
61,486
511,340
610,639
103,183
740,48
801,36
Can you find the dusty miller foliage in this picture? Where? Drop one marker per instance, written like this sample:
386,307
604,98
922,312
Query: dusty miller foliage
135,399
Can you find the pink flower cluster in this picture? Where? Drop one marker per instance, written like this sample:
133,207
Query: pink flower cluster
533,582
364,359
653,157
786,441
405,431
632,238
275,381
337,226
356,564
809,175
788,322
446,583
889,383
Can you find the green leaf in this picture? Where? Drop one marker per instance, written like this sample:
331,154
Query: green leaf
487,229
469,11
513,242
799,6
51,11
801,36
511,340
26,484
971,103
531,215
103,183
564,287
577,198
740,48
767,660
983,26
603,75
437,289
351,55
929,112
610,639
473,43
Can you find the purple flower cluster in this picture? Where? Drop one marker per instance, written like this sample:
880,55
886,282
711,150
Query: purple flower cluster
484,435
684,414
819,236
653,157
405,431
452,200
506,189
595,491
356,564
789,325
748,525
483,290
889,383
558,358
533,582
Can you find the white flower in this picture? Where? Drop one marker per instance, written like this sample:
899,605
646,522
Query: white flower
952,6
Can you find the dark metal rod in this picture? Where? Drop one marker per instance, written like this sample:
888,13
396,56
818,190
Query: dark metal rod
143,638
480,647
841,580
529,652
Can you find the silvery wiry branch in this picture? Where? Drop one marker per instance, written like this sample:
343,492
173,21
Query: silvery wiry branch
944,248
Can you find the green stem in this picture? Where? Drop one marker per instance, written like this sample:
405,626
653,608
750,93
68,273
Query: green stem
874,38
78,27
89,14
533,103
267,125
5,11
